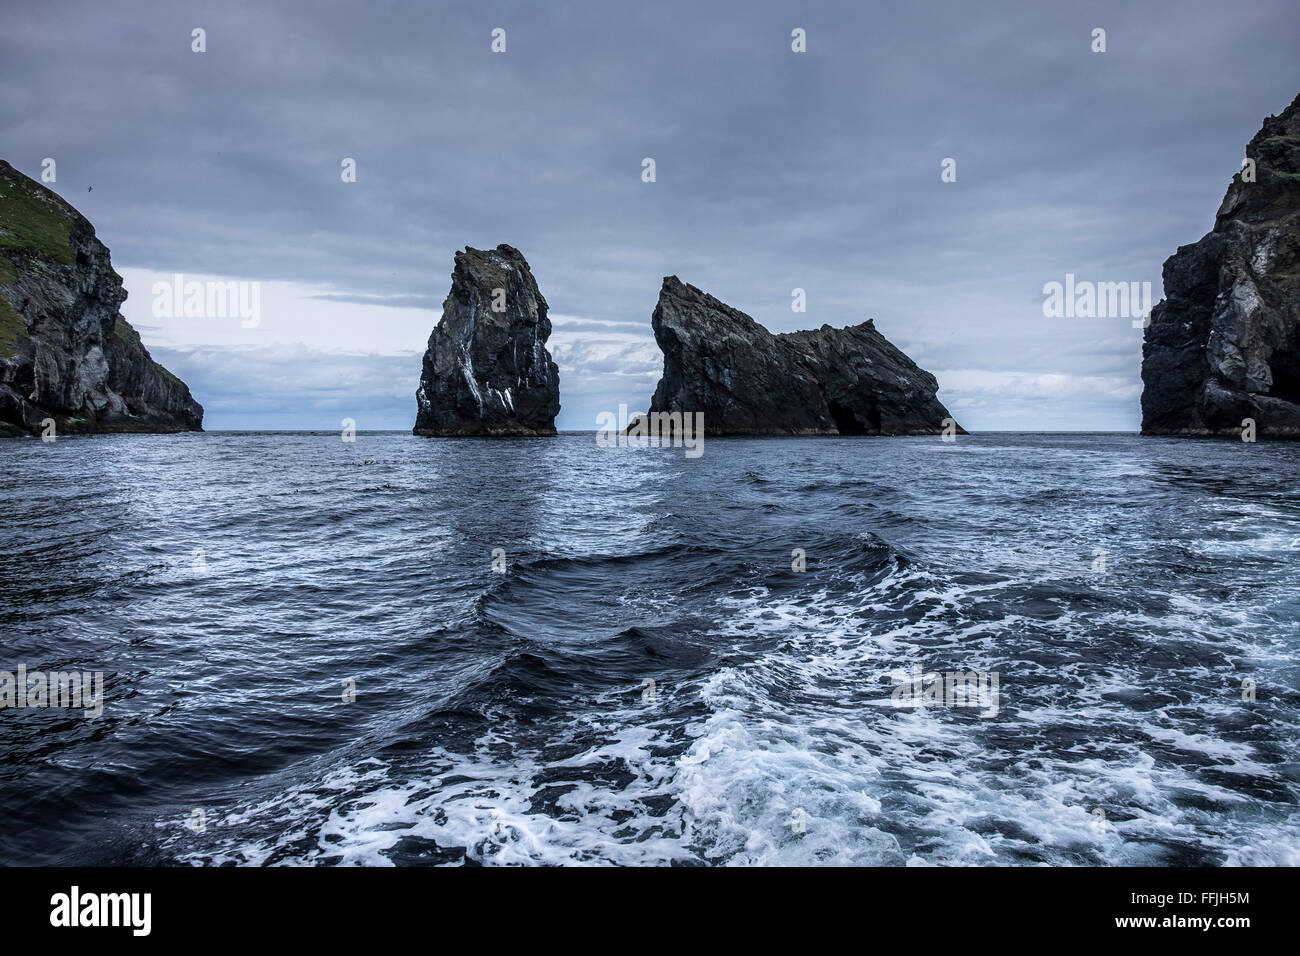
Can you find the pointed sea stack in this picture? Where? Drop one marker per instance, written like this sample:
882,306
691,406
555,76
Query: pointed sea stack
1224,345
65,352
747,381
487,371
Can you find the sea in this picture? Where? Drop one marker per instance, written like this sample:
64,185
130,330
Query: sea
403,651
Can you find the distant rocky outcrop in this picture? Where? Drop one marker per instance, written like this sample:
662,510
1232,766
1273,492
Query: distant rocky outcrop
65,352
1224,345
487,370
747,381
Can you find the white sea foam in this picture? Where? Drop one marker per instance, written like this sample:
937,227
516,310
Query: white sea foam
799,759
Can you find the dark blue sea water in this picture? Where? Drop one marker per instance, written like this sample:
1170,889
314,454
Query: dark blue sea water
508,718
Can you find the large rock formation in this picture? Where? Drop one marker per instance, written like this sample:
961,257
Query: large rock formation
747,381
65,352
487,371
1224,345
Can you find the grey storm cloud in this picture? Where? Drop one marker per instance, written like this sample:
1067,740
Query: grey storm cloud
775,170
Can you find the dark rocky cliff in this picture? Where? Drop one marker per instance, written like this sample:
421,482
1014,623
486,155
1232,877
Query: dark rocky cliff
1224,345
65,352
487,372
747,381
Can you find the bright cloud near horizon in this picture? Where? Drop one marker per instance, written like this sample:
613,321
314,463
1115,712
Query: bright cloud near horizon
775,170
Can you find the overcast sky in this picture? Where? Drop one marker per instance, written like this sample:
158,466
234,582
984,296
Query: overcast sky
775,170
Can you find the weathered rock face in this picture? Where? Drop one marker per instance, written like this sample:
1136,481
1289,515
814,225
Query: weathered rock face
487,370
1224,345
747,381
65,352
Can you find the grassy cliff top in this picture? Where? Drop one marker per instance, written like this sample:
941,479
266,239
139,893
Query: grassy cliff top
33,218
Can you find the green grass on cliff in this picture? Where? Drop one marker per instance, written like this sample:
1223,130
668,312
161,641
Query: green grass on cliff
168,375
124,331
30,220
12,326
